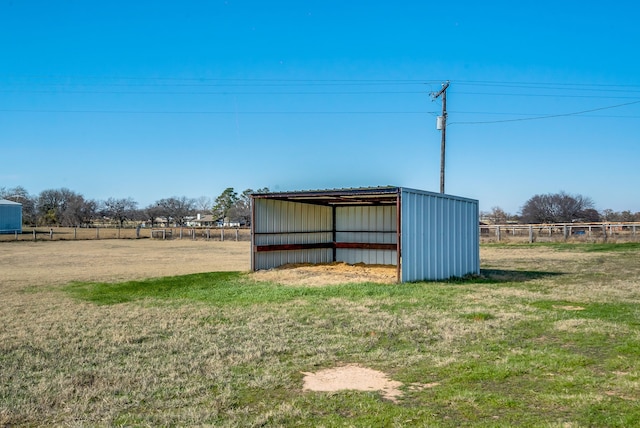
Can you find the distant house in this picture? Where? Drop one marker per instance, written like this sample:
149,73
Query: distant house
202,220
227,223
10,216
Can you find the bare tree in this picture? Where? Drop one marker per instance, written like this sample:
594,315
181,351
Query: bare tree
203,203
177,209
556,208
78,211
54,207
120,210
611,215
152,212
497,216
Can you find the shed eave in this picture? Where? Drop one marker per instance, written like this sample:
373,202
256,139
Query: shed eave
337,197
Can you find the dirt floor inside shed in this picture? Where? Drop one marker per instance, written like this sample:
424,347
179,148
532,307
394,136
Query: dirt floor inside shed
327,274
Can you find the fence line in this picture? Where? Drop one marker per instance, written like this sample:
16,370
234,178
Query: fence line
590,232
99,233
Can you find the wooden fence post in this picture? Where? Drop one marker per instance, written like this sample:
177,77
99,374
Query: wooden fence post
530,234
236,234
34,235
498,233
222,233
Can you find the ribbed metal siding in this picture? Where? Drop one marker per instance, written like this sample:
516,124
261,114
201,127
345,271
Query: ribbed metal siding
439,236
281,222
366,224
10,217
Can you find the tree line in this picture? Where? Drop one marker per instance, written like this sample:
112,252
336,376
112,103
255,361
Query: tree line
558,208
64,207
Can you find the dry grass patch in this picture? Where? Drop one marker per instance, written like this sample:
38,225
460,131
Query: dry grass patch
59,262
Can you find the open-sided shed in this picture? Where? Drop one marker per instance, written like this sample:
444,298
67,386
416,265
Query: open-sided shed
10,216
427,236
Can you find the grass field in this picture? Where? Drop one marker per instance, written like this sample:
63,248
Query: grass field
548,335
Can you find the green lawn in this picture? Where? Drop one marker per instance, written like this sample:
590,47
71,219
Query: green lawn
548,335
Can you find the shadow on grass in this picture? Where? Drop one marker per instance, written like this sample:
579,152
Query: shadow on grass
496,276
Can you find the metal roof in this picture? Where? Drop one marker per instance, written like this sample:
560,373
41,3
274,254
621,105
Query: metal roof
8,202
351,196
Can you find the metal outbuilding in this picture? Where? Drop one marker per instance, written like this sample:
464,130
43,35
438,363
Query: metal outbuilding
427,236
10,216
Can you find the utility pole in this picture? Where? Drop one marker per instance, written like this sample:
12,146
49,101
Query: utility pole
442,125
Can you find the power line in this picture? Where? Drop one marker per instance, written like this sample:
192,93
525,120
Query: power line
537,84
210,93
545,116
221,112
502,94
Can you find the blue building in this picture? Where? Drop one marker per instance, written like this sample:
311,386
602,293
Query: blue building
10,216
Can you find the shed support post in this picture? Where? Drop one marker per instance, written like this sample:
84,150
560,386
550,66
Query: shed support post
253,226
399,237
334,233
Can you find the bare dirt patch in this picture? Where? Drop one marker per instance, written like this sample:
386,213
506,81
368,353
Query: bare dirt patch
327,274
352,377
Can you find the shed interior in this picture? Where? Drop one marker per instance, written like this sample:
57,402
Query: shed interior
346,225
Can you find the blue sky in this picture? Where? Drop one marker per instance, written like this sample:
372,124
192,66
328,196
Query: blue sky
152,99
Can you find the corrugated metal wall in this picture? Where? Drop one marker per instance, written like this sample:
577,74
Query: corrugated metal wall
439,236
282,222
10,216
366,224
